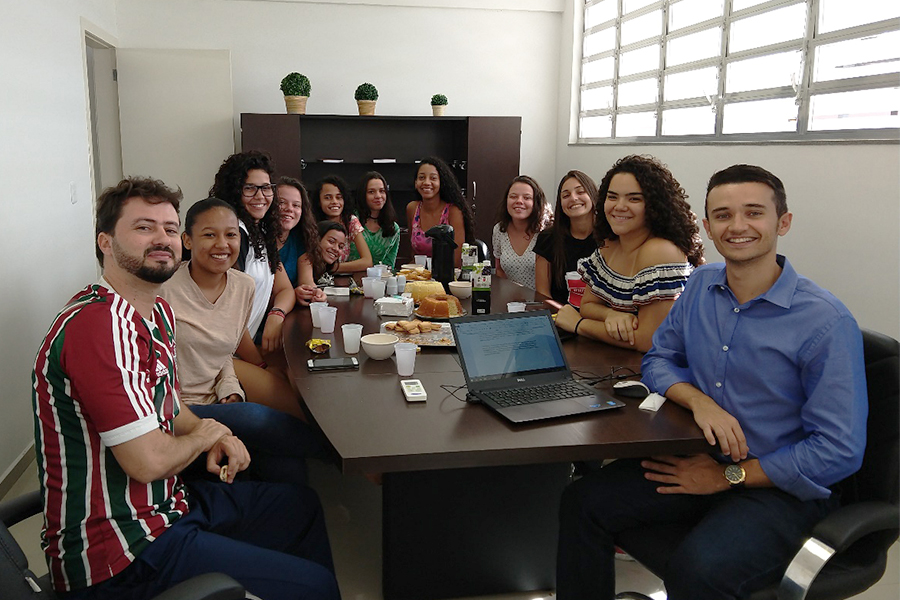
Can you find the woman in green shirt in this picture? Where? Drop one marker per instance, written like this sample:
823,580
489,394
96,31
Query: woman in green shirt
379,221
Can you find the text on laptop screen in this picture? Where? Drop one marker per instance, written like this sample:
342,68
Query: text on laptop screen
495,349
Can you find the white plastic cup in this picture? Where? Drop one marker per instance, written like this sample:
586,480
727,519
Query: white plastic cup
378,286
327,315
314,312
515,307
373,272
368,290
428,262
406,358
352,333
391,288
421,260
401,284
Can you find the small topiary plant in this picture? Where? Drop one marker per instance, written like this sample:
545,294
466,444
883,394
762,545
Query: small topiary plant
439,100
366,91
295,84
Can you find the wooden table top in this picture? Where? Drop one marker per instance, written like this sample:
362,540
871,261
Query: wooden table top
374,430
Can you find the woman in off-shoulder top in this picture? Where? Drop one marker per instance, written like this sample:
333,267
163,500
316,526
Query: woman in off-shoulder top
648,244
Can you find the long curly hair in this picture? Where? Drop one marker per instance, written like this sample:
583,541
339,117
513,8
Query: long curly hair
536,218
451,193
306,230
344,189
562,224
387,217
230,180
318,262
666,210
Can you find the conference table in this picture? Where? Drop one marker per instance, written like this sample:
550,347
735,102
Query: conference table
469,499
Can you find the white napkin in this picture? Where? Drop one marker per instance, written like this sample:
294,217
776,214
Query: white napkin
652,402
337,291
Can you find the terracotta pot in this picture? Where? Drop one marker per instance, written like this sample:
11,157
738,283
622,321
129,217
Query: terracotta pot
296,105
366,107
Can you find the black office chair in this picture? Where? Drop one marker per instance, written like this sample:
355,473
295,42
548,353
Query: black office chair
850,546
17,582
482,250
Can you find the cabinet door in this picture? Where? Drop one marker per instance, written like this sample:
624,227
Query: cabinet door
493,161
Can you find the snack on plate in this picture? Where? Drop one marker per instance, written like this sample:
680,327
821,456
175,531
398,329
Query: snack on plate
420,289
440,306
413,327
417,274
319,346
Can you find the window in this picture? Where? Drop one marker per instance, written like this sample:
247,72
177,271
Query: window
707,70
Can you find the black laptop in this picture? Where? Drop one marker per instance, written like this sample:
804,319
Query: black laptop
514,363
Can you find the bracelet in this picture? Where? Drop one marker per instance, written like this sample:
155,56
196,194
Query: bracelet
277,311
577,324
263,365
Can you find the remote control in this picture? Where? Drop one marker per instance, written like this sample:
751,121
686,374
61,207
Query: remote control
413,390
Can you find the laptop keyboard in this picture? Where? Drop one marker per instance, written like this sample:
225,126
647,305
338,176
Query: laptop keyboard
538,393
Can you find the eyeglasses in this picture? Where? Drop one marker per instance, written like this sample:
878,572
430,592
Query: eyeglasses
249,190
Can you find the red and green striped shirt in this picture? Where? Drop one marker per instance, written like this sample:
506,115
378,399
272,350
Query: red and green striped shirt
103,376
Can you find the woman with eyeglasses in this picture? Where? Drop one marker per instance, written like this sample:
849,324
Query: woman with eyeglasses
245,182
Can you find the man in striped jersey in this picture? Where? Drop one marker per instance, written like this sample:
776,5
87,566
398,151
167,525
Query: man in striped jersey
111,437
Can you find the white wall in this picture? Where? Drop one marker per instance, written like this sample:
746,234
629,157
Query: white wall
845,199
47,246
487,61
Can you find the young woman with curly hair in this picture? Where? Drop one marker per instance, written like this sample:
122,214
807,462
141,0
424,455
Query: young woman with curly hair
648,244
570,240
441,203
245,182
519,220
379,220
327,261
299,236
332,202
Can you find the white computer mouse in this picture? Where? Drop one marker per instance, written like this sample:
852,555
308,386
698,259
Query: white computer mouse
631,389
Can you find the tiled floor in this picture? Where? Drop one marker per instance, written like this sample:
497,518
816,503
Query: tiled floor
353,511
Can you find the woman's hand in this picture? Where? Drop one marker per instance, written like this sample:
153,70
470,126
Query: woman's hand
567,318
307,293
271,338
230,399
621,326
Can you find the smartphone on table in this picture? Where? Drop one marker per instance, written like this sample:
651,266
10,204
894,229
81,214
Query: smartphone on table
333,364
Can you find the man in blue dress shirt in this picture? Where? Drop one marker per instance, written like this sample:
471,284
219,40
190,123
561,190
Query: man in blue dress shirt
771,366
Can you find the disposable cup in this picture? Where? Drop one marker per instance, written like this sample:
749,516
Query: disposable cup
368,290
406,358
391,287
352,333
515,307
314,312
327,315
428,262
421,260
401,283
378,287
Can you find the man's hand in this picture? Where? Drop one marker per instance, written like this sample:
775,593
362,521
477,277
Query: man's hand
621,325
718,424
232,448
208,432
697,475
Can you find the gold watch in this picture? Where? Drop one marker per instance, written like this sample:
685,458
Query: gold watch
735,475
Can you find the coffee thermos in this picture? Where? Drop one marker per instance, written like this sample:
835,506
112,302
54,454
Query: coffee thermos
442,247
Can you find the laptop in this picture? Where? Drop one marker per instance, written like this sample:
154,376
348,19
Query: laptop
514,363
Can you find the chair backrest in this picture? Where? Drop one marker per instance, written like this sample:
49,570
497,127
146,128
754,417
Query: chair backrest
879,476
17,582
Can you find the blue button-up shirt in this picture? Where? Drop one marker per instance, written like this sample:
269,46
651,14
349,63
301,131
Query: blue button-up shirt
788,365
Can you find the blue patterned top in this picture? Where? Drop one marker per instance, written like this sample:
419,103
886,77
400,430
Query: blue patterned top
657,282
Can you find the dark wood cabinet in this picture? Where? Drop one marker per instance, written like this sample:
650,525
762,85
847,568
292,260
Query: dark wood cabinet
482,151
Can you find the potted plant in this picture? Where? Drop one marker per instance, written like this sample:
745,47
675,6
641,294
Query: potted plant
366,95
438,104
296,88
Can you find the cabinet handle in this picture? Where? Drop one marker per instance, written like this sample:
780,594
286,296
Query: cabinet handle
474,190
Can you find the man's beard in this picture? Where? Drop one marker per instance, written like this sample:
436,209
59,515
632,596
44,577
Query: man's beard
159,273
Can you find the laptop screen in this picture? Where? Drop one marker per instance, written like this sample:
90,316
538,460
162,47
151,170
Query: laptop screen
508,346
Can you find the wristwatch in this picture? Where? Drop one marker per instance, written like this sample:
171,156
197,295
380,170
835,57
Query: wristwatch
735,474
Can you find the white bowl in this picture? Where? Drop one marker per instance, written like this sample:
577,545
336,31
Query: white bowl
461,289
379,346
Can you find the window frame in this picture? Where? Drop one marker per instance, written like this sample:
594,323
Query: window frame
802,94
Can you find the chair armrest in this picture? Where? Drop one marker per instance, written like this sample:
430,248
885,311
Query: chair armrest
20,508
209,586
833,534
848,524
